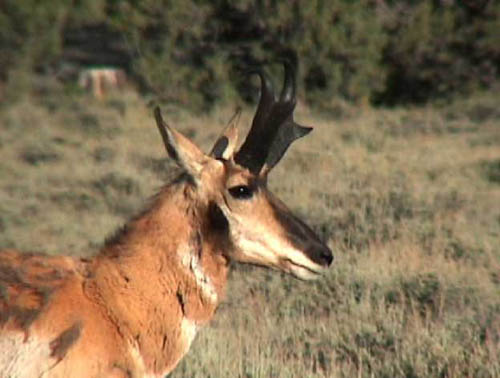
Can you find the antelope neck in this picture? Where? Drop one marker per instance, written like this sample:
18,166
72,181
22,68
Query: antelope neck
161,279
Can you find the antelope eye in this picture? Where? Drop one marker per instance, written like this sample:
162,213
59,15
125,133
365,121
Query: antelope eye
241,192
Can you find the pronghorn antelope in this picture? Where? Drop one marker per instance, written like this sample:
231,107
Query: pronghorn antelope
134,308
102,79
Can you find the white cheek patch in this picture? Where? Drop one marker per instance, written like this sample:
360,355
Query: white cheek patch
259,245
251,241
24,359
191,262
254,249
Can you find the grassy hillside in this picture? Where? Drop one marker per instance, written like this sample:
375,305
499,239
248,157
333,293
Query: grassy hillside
408,199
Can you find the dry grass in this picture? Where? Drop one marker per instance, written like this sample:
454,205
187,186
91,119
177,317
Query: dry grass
409,200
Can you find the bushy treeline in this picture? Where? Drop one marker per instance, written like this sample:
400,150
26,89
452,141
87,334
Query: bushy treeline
192,51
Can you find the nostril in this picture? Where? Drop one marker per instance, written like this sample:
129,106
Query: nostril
327,256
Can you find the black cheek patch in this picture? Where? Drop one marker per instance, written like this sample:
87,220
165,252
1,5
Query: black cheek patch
217,219
217,229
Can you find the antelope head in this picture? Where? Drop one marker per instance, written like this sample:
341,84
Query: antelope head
230,186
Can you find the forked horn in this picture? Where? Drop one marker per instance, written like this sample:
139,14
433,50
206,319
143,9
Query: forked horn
273,128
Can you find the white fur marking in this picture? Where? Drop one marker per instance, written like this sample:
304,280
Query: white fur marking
188,331
23,359
140,366
191,261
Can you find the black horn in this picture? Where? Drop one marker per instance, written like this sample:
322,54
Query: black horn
288,92
273,128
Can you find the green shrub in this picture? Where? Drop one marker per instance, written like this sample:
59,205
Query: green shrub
437,49
191,52
30,39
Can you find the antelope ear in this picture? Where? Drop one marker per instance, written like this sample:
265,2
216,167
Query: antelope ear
179,148
225,145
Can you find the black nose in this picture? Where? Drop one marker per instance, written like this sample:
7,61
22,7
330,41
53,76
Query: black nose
320,254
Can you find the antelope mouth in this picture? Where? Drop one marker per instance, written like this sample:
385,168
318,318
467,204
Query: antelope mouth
303,272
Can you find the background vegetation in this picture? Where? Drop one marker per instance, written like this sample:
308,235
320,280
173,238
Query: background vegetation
189,52
408,197
408,200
